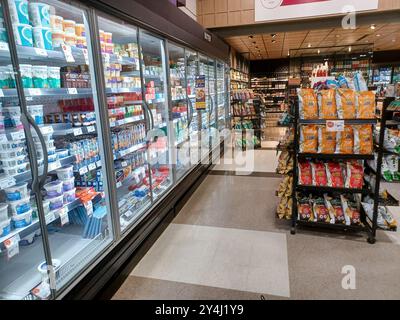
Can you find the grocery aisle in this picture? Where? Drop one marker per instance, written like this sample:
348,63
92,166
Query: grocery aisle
227,244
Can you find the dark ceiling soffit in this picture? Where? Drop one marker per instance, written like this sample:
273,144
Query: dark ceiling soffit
308,24
164,18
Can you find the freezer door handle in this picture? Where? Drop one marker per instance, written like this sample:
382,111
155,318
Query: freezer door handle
151,126
211,110
32,122
190,113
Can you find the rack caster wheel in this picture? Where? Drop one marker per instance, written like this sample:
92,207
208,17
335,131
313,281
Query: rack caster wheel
293,231
371,240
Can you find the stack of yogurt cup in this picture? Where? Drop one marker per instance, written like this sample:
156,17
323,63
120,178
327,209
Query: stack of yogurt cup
20,20
19,205
39,14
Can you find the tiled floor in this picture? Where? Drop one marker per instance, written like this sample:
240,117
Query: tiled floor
226,243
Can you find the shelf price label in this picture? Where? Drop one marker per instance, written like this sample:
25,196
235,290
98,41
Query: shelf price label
3,138
69,57
20,135
98,164
83,170
64,216
124,164
92,166
50,217
34,92
91,129
4,46
89,208
7,182
335,125
72,91
41,52
119,184
78,132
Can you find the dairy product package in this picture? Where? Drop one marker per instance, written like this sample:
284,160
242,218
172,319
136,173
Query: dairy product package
39,76
19,11
42,38
39,14
23,35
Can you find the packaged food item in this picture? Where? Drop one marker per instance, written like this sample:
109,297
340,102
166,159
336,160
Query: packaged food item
346,103
363,139
39,76
26,74
102,35
68,184
109,47
81,42
304,209
392,140
107,37
70,39
359,81
18,207
326,141
36,111
351,212
392,164
345,141
80,30
334,172
58,38
69,196
319,177
54,77
69,27
305,174
343,82
5,227
327,104
56,23
65,173
3,212
17,192
39,14
23,35
56,203
320,212
308,139
365,105
355,175
335,209
19,11
308,105
22,220
43,38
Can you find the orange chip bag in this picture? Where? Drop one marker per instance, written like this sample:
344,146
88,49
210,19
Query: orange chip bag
327,104
309,139
308,106
345,141
365,105
346,103
326,141
363,139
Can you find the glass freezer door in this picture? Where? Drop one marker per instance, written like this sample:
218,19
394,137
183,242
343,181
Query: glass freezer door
221,95
126,118
154,80
205,114
179,109
57,72
212,110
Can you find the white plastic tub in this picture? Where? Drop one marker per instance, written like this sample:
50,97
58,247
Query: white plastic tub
3,212
69,196
17,192
20,206
54,189
12,145
17,152
65,173
68,184
56,203
12,162
22,220
5,227
16,170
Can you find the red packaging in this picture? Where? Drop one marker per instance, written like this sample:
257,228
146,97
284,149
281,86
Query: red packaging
304,210
335,175
305,175
355,175
319,177
320,211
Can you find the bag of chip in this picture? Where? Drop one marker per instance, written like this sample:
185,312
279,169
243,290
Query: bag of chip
334,172
392,162
308,139
392,140
334,207
345,141
305,175
363,139
327,104
326,141
308,106
305,212
346,103
320,212
319,177
369,210
351,212
365,103
355,175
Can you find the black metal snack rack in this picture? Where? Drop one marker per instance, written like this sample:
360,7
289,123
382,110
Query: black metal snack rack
367,225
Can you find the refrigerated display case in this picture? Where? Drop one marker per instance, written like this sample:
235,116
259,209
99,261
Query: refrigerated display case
221,95
92,107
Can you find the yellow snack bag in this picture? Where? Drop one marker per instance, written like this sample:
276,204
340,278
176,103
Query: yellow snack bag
327,104
363,139
326,141
365,105
308,106
309,139
346,103
345,141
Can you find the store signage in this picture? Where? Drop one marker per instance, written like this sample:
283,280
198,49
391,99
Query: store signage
69,57
207,37
201,92
334,125
270,10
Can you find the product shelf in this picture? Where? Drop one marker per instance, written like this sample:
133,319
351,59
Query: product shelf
335,156
322,189
63,129
129,120
335,226
123,153
346,121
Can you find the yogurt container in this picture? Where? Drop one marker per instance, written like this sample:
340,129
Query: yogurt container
22,220
80,30
65,173
54,77
23,35
42,268
54,189
52,158
3,34
62,153
17,192
39,14
4,78
5,226
11,112
12,146
42,38
12,162
70,39
26,74
56,203
46,206
16,170
11,77
36,112
107,37
47,137
69,26
13,122
20,206
56,23
58,38
13,153
3,212
19,11
39,76
69,196
81,42
51,151
68,184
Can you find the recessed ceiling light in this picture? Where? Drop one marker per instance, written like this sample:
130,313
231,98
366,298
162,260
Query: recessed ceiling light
350,49
393,40
373,27
367,41
273,35
309,45
338,36
288,53
319,51
378,35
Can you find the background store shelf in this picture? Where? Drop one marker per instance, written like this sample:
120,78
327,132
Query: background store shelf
335,156
321,189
